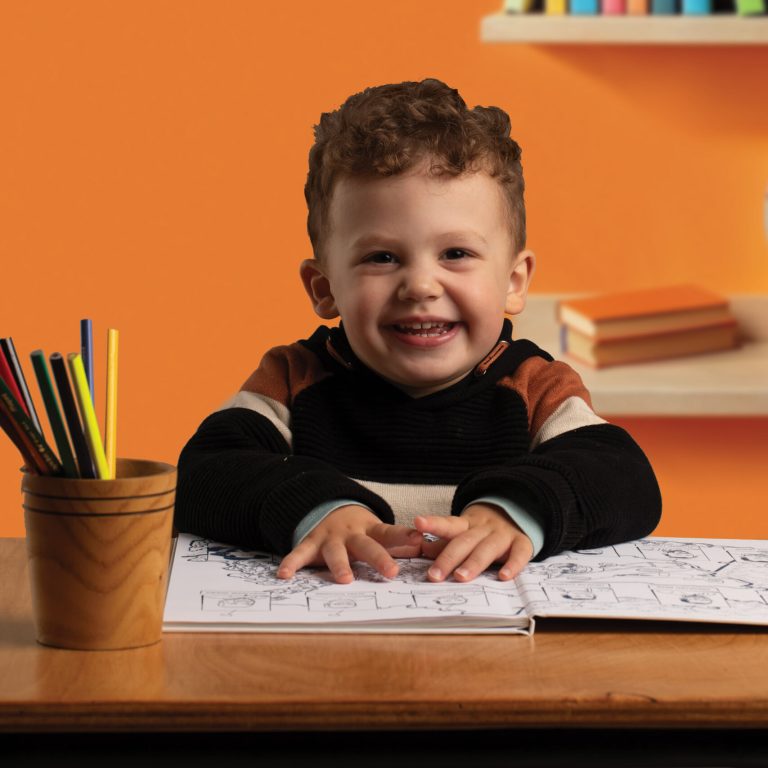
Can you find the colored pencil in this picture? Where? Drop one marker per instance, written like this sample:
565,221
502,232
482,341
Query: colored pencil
110,429
33,462
21,383
67,398
86,350
6,374
45,458
54,414
88,415
7,425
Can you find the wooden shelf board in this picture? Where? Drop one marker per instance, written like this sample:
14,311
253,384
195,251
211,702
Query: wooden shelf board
718,29
732,383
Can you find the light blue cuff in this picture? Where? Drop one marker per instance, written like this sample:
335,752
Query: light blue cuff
522,518
318,514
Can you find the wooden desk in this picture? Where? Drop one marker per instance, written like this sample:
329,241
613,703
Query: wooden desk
570,674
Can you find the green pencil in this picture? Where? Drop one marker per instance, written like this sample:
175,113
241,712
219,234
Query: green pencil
45,455
54,414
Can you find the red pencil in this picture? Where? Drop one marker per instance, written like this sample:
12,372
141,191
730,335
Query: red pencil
7,375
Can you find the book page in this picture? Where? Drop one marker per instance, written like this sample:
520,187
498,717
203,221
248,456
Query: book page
218,587
713,580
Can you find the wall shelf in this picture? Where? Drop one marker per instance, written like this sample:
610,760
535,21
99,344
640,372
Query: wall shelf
732,383
716,29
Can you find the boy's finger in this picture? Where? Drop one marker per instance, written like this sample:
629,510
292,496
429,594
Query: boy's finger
519,556
369,551
485,553
395,535
405,551
297,558
336,558
455,552
432,549
446,526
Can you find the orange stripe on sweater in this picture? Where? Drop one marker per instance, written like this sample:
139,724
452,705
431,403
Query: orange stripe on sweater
543,387
284,372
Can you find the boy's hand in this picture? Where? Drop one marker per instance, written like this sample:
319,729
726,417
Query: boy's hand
352,532
468,544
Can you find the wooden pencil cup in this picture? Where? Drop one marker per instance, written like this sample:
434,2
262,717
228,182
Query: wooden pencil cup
98,555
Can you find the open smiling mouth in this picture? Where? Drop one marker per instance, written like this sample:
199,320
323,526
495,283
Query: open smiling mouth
426,330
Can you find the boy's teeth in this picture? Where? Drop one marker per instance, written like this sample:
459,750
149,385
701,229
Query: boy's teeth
425,329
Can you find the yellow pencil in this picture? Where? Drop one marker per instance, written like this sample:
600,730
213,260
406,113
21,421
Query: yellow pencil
83,394
110,421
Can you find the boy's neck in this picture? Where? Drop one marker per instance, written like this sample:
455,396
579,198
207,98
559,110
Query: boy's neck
338,347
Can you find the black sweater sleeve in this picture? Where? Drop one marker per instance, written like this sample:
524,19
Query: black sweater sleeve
239,483
589,487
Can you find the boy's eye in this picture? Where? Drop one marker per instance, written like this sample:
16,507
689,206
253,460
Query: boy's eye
381,257
454,254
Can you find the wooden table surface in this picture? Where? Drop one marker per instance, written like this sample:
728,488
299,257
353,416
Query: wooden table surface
569,674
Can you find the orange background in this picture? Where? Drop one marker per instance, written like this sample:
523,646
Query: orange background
152,162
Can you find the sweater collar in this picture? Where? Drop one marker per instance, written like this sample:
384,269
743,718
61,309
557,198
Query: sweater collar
338,347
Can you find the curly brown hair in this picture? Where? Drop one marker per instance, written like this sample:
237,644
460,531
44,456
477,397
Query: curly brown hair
389,129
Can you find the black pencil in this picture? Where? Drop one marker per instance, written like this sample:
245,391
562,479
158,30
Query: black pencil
54,414
47,461
67,398
18,374
10,429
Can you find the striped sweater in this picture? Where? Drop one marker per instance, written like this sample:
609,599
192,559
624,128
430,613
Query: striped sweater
312,424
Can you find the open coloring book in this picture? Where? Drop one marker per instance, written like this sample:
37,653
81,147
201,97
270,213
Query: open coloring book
217,588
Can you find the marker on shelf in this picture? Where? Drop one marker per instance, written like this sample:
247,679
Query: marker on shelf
584,7
614,7
697,7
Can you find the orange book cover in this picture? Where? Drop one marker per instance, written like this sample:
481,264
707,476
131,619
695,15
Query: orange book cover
642,349
637,7
654,310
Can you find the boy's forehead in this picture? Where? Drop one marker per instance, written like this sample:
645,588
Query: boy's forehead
474,198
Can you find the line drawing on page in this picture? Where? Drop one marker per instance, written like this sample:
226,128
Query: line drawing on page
313,591
655,578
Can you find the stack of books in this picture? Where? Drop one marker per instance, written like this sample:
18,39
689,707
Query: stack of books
637,326
637,7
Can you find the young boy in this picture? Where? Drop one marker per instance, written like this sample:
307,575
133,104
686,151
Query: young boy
419,414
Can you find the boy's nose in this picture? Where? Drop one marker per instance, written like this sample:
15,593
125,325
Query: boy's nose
418,285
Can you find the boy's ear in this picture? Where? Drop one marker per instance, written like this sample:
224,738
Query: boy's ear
318,288
519,280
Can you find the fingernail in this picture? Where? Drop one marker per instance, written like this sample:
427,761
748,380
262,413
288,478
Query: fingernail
506,573
462,573
435,573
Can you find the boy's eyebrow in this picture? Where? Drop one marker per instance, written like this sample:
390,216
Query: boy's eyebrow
365,241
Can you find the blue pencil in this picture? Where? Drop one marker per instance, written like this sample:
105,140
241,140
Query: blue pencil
86,350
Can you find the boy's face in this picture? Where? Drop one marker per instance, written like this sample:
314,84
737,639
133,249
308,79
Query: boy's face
421,270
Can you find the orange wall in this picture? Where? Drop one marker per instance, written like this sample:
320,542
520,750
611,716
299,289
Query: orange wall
153,156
